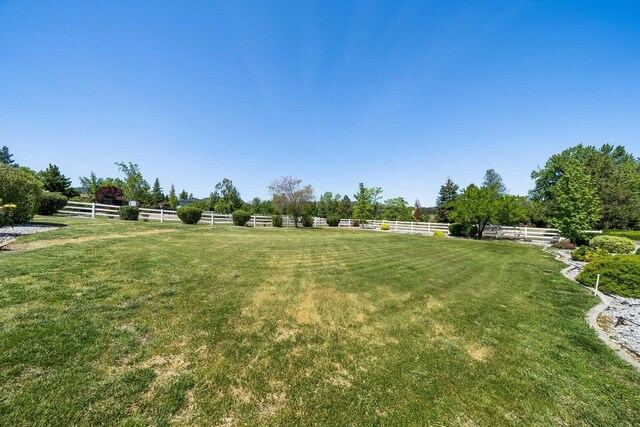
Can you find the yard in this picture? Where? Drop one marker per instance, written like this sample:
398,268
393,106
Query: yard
113,322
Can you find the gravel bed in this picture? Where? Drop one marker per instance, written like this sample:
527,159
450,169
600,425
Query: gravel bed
7,234
621,319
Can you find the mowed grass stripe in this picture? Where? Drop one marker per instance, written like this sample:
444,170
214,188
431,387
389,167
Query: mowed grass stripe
236,326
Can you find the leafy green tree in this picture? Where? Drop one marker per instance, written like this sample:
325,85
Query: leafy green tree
263,207
446,198
134,186
21,189
157,196
328,204
493,178
183,195
172,199
291,197
345,210
91,183
482,206
6,157
54,181
367,202
577,206
615,174
230,199
397,209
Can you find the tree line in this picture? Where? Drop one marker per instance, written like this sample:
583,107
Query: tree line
580,188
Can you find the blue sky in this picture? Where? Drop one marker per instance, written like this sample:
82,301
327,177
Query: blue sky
395,94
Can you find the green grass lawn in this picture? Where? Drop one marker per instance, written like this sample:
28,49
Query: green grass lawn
109,322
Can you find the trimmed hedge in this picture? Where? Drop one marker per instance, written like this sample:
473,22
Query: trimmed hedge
129,213
240,217
588,254
276,220
462,230
50,203
333,220
619,275
19,187
613,244
189,214
307,221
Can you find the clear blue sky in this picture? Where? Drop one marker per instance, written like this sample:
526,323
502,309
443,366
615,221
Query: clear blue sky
396,94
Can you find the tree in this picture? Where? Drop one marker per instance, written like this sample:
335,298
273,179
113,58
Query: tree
345,209
493,178
328,205
576,207
290,196
397,209
230,199
173,199
156,193
108,192
367,202
482,206
615,174
183,195
54,181
20,191
418,213
91,183
446,198
6,157
134,185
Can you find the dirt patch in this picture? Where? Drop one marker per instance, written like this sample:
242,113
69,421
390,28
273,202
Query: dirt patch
40,244
605,322
479,353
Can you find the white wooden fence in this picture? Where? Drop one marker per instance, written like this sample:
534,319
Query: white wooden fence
95,210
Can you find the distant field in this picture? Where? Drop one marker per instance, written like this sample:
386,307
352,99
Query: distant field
109,322
633,235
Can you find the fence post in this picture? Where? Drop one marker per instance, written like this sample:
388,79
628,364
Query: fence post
429,227
396,225
349,222
161,216
525,231
254,221
93,210
412,226
211,217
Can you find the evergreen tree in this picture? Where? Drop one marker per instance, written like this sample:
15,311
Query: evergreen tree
156,193
577,207
229,197
92,183
173,199
183,195
55,181
444,203
6,157
493,178
367,202
345,209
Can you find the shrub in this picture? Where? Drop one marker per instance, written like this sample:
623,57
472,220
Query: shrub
189,214
240,217
50,203
462,230
613,244
564,244
619,275
355,223
587,254
276,220
129,213
385,226
307,221
438,233
20,188
333,220
108,192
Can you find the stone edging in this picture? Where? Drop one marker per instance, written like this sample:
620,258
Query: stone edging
592,318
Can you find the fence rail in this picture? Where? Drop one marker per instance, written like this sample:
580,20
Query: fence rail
94,210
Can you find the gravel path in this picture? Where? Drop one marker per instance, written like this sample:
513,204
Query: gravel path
7,234
621,317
